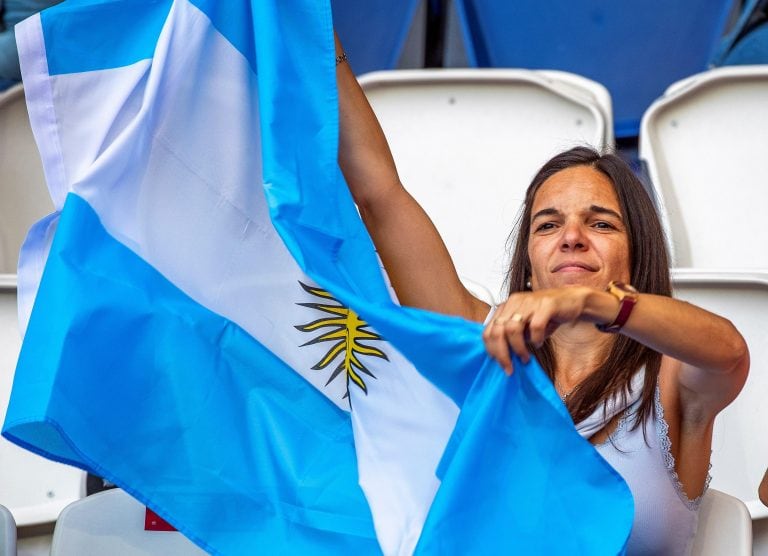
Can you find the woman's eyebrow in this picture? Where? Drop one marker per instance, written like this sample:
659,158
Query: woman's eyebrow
605,210
546,212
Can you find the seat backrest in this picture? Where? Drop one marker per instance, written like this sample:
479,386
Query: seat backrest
467,143
373,32
740,442
112,522
33,488
732,50
635,52
724,527
705,143
24,197
750,50
7,532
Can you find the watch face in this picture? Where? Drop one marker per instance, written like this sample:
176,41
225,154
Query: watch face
626,288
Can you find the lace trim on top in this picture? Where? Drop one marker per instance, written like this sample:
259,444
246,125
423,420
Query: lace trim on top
669,459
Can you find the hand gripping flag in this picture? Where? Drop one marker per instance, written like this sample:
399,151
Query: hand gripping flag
208,327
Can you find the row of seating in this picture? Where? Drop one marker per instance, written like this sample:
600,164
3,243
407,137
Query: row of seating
704,142
486,131
636,53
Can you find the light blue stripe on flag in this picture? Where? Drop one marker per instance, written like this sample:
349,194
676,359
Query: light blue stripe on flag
100,28
515,479
181,407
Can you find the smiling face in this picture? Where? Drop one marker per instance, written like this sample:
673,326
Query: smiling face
577,235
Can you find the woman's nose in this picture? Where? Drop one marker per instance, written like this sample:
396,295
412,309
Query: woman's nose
573,237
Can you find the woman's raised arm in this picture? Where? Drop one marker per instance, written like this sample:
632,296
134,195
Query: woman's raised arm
407,241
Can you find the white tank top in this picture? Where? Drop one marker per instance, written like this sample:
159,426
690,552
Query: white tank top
665,518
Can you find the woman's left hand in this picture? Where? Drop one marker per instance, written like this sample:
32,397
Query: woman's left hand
530,318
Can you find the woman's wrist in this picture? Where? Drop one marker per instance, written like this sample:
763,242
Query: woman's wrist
600,307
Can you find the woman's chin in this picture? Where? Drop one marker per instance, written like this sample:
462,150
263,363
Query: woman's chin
566,279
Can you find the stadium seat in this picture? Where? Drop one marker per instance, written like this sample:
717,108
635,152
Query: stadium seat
23,195
740,443
704,143
474,138
7,533
746,43
112,522
635,52
724,527
34,489
373,32
750,50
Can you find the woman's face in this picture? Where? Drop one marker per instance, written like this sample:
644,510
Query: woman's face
577,235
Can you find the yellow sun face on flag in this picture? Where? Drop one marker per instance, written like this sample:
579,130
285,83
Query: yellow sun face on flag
348,335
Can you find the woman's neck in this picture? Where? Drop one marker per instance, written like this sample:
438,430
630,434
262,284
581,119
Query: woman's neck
579,349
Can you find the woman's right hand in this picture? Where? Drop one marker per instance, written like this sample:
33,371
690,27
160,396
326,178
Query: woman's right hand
529,318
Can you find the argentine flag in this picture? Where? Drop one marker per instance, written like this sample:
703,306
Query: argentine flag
207,324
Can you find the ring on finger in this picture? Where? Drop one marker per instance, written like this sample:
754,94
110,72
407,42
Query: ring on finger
517,317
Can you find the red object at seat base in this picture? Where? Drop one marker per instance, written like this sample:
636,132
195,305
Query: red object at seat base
153,522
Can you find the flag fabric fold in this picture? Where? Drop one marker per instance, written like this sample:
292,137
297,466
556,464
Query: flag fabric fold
208,326
175,439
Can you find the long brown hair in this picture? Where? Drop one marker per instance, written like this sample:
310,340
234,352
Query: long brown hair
649,271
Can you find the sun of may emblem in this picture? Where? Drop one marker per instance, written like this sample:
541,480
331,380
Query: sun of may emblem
346,331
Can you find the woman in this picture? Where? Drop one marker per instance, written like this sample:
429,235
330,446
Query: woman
643,375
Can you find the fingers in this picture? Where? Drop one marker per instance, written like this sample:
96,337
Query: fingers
529,318
514,331
503,334
540,326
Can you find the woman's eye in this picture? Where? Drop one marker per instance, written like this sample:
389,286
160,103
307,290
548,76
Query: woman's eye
604,225
545,226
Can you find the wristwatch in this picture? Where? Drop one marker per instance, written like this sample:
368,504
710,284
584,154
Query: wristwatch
627,296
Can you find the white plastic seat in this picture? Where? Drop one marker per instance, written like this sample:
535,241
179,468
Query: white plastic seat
33,488
24,197
724,527
112,522
474,138
705,143
7,533
740,442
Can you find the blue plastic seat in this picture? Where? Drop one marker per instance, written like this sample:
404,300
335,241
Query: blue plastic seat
747,41
751,50
373,32
635,49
